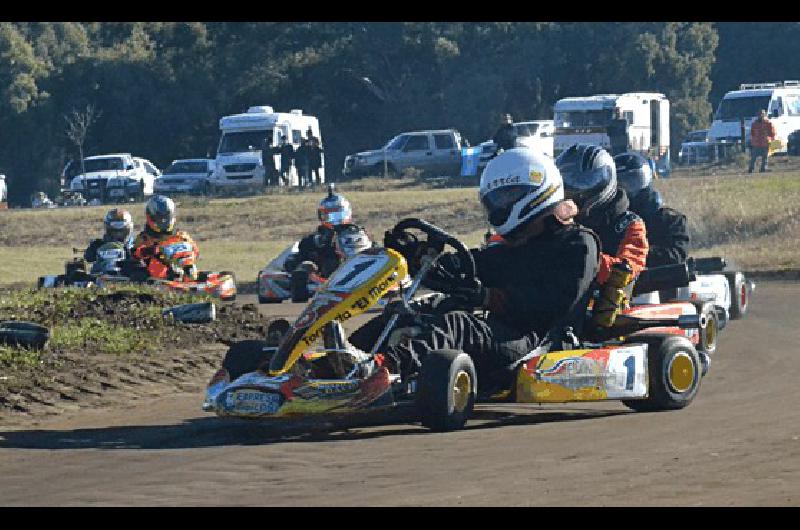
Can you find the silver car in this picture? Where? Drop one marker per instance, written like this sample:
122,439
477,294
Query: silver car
186,176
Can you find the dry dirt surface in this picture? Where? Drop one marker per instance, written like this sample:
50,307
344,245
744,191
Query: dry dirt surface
737,444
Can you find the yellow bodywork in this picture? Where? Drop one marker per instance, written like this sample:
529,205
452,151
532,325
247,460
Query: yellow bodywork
352,304
530,388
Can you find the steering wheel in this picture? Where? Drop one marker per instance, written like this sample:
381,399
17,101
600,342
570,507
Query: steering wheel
461,270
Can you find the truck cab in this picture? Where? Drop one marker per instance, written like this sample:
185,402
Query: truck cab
238,161
780,100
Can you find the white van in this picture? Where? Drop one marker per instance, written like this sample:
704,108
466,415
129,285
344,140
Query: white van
238,161
780,100
585,120
537,135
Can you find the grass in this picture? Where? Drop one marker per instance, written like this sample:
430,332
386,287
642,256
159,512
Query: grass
751,219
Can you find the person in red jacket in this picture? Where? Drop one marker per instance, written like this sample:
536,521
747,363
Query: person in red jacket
590,180
762,132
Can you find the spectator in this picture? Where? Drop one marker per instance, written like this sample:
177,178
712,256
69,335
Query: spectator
286,151
311,138
301,160
314,158
762,132
505,138
617,131
268,161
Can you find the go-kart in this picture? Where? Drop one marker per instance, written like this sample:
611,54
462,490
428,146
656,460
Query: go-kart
114,267
647,372
728,290
285,279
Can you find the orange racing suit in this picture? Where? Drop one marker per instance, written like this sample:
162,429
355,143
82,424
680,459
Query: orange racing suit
149,247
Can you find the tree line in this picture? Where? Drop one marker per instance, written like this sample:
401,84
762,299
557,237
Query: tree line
159,89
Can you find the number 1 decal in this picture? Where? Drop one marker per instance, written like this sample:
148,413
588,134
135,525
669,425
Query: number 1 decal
630,364
358,268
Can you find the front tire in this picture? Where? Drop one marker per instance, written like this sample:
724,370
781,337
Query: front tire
740,294
674,373
448,387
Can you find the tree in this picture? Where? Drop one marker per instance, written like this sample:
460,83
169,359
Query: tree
78,125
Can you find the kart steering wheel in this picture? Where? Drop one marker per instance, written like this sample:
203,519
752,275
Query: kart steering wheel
405,242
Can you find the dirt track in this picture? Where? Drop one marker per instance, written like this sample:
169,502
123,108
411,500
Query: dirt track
737,444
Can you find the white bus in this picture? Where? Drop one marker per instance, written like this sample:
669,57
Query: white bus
238,160
585,120
780,100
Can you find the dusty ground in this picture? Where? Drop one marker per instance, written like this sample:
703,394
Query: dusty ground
737,444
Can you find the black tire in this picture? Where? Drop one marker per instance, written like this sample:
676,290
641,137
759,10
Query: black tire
25,334
663,349
300,292
266,300
447,390
229,298
740,294
709,327
276,330
244,357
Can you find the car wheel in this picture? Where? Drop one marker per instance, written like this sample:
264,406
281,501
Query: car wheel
447,389
244,357
674,373
740,294
709,327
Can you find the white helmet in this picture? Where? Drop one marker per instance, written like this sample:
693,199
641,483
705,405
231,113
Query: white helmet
518,186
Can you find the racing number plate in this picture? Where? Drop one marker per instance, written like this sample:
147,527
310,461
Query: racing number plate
249,401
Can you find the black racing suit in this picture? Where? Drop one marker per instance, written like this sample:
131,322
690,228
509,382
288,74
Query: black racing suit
667,231
90,254
541,285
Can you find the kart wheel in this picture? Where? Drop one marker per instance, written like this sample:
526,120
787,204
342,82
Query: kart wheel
709,327
25,334
740,294
448,386
674,373
244,357
276,330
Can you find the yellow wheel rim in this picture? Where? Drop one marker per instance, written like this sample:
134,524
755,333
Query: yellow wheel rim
711,333
681,372
461,391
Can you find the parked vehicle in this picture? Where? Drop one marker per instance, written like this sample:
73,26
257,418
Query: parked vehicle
190,175
586,119
115,178
537,135
3,190
781,101
238,162
40,200
70,198
695,148
435,153
793,144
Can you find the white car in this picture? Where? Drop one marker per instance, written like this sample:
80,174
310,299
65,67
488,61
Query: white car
3,189
536,135
116,177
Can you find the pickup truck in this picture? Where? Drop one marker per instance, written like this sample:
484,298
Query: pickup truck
115,177
435,153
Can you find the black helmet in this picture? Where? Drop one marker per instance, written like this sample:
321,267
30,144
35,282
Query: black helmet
589,174
633,173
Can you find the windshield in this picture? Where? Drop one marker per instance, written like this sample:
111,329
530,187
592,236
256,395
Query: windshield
397,142
187,167
103,164
526,129
583,118
239,142
735,108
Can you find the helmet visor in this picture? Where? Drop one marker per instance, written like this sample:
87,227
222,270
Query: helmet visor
500,201
162,221
593,179
334,215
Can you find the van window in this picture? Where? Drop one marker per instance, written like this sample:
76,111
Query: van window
417,143
628,115
731,109
297,136
792,105
240,142
583,118
444,141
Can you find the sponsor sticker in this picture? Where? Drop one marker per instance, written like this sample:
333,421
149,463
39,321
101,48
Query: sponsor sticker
537,177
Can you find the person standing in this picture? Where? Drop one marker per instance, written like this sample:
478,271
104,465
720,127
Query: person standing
506,137
762,132
286,151
314,158
268,161
301,162
617,131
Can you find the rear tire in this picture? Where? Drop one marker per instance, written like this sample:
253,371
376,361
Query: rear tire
674,373
448,387
244,357
25,334
740,294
